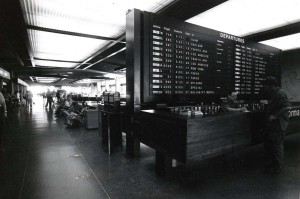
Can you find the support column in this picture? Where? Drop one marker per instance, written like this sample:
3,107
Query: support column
1,84
16,86
11,88
133,79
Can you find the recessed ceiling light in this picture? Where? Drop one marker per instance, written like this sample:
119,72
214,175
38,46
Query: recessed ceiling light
245,17
289,42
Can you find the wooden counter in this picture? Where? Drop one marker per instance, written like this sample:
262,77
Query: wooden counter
188,138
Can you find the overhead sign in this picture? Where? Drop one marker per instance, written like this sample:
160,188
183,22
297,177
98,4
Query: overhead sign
4,74
22,82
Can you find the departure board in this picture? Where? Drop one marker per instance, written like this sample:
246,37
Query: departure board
251,66
189,60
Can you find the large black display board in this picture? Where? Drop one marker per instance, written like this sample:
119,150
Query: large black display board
185,62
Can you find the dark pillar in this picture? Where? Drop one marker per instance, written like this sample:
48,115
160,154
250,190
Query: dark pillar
1,84
133,79
16,86
11,87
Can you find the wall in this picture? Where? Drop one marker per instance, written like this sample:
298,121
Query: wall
94,89
118,82
290,79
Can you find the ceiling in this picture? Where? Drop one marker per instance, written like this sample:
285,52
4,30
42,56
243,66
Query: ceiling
43,40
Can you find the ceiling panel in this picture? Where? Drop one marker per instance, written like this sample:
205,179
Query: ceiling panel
289,42
106,18
95,17
46,45
245,17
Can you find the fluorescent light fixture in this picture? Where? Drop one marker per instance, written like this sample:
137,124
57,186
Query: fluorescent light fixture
54,64
289,42
104,58
245,17
46,45
46,79
42,78
112,75
94,17
87,81
4,73
22,82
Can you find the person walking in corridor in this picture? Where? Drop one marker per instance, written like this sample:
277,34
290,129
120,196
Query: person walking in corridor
29,97
49,98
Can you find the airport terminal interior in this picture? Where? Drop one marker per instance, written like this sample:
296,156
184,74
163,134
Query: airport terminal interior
149,99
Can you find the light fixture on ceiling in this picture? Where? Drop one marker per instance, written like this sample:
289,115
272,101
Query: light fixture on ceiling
54,46
245,17
285,43
104,58
46,79
104,18
113,75
47,63
87,81
120,70
99,18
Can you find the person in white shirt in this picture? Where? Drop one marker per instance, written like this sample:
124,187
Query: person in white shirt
18,95
17,101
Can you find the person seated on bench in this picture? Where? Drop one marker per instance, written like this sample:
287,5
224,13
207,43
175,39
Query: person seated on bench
65,105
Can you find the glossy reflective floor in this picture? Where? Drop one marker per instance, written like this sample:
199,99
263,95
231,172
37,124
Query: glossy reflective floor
41,158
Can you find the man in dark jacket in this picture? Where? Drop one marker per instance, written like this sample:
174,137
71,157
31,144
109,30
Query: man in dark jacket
49,98
277,120
230,104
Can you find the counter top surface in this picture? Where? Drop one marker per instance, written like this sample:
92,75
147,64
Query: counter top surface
192,117
110,112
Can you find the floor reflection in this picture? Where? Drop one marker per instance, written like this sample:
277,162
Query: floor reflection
49,112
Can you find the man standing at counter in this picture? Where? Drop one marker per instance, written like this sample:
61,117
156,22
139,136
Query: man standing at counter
230,104
277,120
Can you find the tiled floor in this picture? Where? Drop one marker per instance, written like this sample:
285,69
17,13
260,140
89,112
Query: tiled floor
41,158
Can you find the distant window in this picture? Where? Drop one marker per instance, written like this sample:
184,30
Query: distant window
123,90
112,88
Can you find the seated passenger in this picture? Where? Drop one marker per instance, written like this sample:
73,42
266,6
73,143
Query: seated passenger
64,105
230,104
68,102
